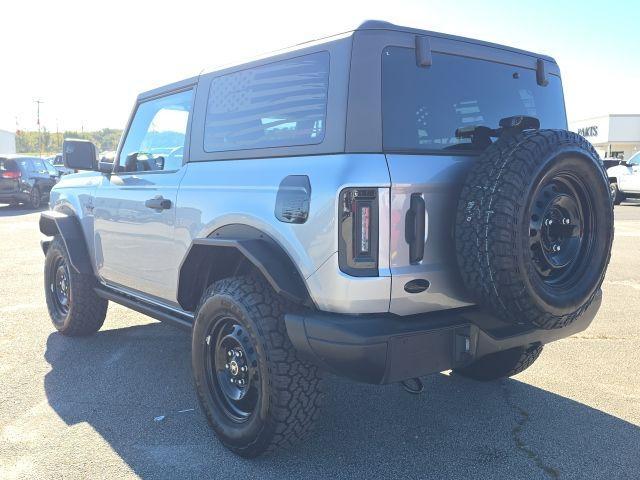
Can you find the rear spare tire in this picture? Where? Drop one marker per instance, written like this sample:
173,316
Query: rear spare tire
534,227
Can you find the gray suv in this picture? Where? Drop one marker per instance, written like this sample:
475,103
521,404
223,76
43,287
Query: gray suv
382,204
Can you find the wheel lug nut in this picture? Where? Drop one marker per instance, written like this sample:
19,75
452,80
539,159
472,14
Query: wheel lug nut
226,365
566,221
556,248
232,380
243,369
230,353
239,353
548,221
240,382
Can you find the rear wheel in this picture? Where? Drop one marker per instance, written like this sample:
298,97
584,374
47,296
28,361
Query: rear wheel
502,364
73,305
255,391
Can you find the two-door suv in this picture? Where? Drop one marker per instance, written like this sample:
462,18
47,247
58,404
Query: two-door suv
384,204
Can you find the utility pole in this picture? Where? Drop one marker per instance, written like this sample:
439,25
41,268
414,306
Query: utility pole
38,102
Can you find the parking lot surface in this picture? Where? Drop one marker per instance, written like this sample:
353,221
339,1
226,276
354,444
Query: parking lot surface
121,403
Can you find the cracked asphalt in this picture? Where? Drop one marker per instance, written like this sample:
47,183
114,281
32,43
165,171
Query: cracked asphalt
121,404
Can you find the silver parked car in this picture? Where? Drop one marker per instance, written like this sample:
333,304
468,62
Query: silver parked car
384,204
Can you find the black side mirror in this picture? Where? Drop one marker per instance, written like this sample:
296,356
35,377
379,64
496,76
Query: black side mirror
79,154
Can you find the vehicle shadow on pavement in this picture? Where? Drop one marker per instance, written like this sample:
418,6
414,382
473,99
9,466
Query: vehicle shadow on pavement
16,211
133,386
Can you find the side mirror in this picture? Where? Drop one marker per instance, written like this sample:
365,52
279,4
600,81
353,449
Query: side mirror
79,154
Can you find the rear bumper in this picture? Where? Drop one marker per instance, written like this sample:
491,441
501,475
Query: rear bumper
6,197
388,348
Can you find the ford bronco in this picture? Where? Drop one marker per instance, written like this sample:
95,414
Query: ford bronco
383,204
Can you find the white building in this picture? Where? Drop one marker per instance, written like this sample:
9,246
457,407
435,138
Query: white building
612,135
7,142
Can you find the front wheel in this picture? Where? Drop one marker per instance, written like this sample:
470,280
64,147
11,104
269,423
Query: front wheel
255,391
616,195
35,198
73,305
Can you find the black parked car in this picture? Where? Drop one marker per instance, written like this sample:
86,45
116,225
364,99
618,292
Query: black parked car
26,180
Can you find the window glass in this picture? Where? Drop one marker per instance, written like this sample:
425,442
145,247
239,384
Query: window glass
38,166
423,107
25,164
8,165
635,159
280,104
156,137
50,169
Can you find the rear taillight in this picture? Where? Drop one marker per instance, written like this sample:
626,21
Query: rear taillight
358,232
10,174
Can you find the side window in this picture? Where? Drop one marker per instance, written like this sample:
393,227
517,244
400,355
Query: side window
50,169
38,166
275,105
156,137
25,165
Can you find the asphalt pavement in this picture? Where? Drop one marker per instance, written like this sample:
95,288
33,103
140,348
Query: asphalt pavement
121,404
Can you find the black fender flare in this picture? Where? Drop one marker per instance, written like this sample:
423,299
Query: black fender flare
68,227
260,250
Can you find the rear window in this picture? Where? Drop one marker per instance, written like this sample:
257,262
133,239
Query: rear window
423,107
8,165
280,104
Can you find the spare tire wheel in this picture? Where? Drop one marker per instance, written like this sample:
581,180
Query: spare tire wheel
534,227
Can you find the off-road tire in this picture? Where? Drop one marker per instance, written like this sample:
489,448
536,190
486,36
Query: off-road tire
502,364
616,195
493,235
35,198
86,311
290,390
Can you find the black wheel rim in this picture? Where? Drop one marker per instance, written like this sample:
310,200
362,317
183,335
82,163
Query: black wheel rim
59,286
561,230
232,369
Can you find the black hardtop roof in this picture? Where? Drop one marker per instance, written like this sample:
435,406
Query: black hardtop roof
366,25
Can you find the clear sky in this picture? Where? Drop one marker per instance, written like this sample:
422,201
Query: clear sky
87,60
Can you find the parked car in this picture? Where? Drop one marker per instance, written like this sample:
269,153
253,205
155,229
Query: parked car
26,180
57,162
384,204
624,179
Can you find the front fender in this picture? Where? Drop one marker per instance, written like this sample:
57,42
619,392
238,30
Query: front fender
68,227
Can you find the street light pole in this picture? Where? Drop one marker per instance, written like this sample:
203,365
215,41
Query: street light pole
38,102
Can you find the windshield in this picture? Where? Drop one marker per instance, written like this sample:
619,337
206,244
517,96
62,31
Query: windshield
635,159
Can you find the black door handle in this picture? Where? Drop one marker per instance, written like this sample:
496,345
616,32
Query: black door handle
414,228
158,203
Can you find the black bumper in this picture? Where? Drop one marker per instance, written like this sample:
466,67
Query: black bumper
8,197
388,348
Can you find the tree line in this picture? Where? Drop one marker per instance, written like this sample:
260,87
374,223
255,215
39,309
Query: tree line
51,142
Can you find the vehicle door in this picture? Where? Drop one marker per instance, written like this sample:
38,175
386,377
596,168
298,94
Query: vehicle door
43,179
423,109
134,207
631,181
54,174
